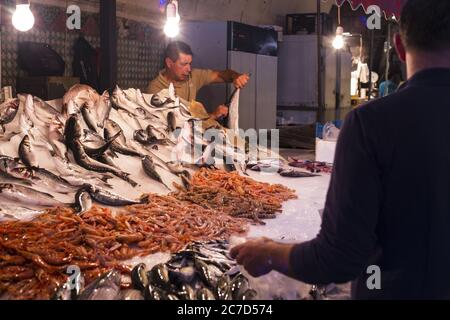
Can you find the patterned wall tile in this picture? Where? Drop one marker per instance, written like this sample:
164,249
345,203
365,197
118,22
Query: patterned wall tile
139,48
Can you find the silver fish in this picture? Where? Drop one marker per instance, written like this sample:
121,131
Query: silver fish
30,112
171,122
46,179
120,101
6,178
83,201
120,144
25,195
150,170
78,95
110,199
88,118
90,164
56,138
177,168
100,150
27,154
158,102
14,168
103,109
8,111
78,176
66,168
52,181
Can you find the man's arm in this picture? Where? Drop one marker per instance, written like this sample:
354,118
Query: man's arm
230,76
347,237
348,233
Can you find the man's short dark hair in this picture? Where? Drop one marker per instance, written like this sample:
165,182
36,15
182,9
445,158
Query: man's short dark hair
425,25
174,49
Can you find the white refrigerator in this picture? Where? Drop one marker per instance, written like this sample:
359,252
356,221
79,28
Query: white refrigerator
245,49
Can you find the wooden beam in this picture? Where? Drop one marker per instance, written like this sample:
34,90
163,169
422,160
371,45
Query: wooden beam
108,44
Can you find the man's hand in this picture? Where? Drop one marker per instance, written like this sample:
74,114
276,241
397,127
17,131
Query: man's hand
254,256
261,256
220,112
241,81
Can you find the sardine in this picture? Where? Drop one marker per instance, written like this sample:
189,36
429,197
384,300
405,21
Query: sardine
171,122
25,195
103,109
13,167
6,178
72,131
99,151
120,101
110,199
158,102
56,138
177,169
52,181
143,138
119,145
83,201
65,168
89,118
31,113
8,111
27,154
78,95
90,164
150,170
44,178
72,108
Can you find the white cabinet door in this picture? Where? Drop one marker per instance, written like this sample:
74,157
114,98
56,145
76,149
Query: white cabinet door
243,62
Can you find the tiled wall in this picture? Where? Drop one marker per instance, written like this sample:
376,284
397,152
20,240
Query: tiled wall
139,46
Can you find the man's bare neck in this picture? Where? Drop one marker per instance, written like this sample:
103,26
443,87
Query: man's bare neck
419,61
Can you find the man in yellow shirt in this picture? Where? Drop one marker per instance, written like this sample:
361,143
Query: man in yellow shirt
187,81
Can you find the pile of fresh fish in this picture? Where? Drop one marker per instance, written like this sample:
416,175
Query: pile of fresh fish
202,271
104,149
278,166
311,166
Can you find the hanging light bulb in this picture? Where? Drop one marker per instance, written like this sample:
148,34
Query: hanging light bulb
172,28
338,42
23,18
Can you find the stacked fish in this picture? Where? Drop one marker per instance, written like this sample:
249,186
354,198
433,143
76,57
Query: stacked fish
107,149
202,271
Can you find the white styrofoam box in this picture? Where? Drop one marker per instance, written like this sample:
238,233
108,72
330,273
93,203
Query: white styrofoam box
325,150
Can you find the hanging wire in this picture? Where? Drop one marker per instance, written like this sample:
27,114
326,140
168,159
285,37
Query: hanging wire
339,15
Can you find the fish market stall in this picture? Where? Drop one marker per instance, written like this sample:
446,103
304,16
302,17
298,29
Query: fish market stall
105,197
